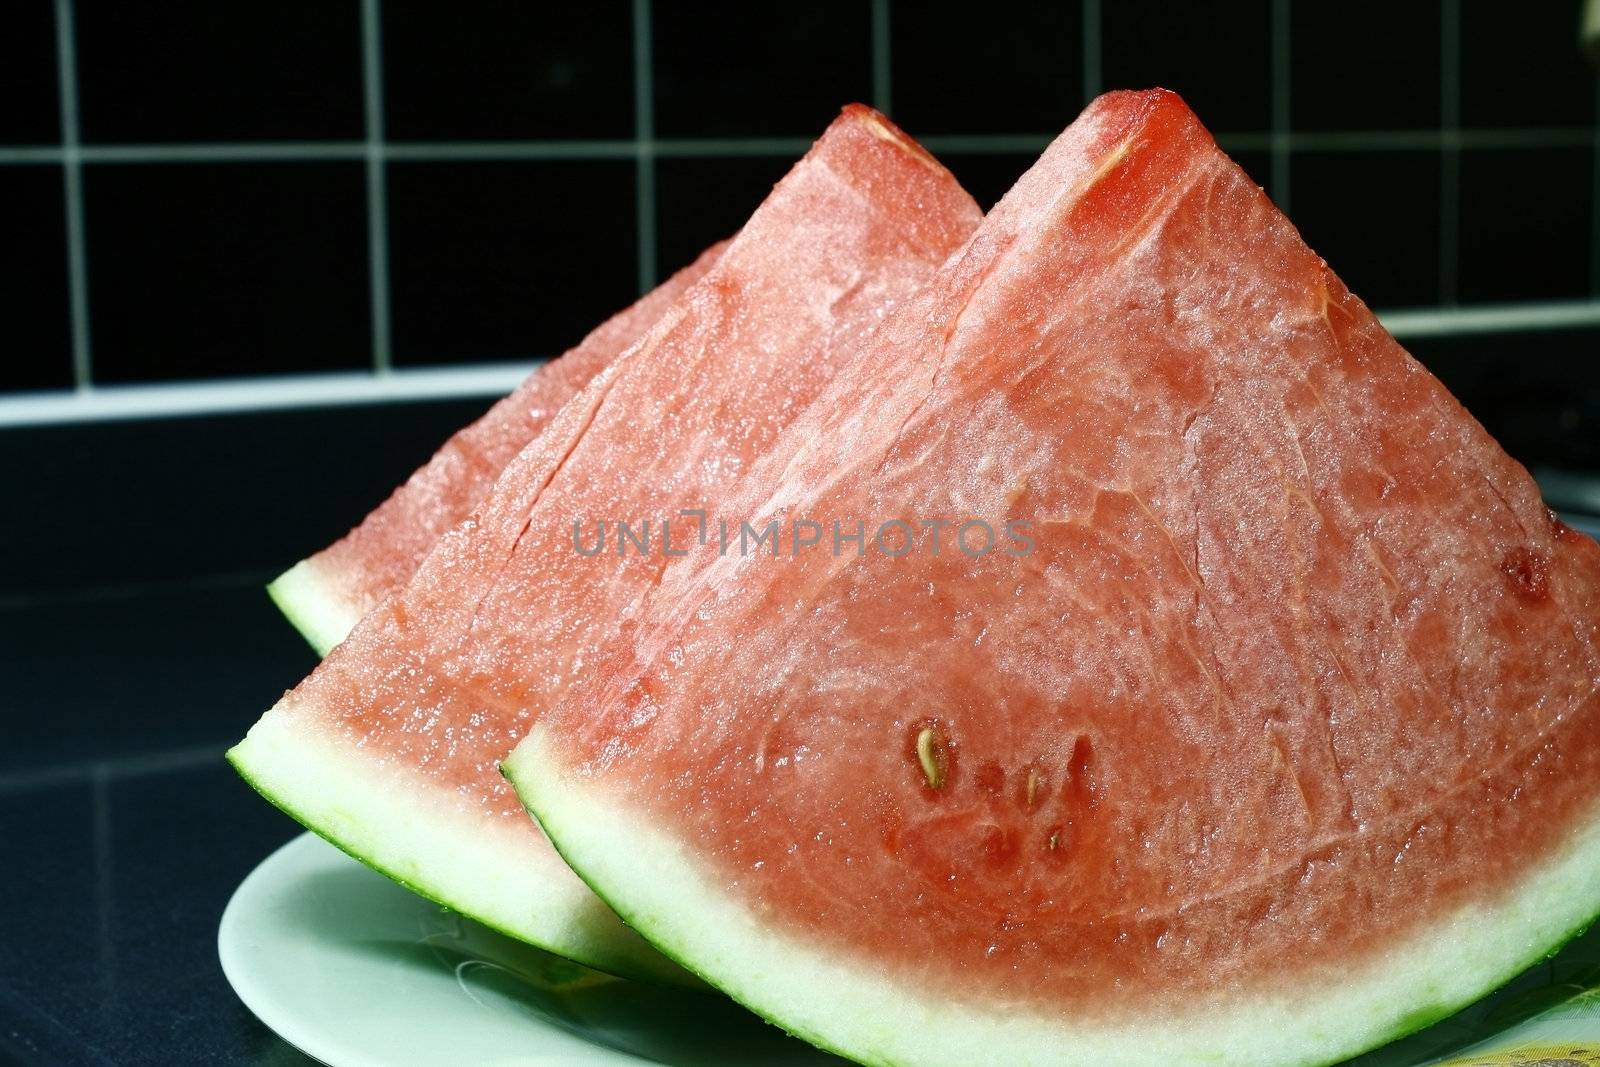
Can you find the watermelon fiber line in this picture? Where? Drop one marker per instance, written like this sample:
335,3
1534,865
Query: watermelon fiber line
390,748
325,595
1282,742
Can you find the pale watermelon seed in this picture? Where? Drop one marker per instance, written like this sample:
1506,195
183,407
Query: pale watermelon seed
930,753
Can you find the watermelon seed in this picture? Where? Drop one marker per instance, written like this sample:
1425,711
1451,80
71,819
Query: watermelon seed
930,753
1033,792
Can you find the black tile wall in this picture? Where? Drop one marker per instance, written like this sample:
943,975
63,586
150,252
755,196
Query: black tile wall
758,69
229,657
1012,67
988,176
204,268
474,94
1257,164
108,941
193,70
220,270
1374,216
33,264
160,887
1522,66
179,499
701,201
1524,388
507,260
176,500
1365,65
46,850
1228,81
506,71
1528,213
32,112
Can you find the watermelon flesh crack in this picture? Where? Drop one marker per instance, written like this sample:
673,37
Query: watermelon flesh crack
390,748
1284,736
326,594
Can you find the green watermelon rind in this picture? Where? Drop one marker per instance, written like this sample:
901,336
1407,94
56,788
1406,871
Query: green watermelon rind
1419,1020
498,874
306,601
643,925
655,882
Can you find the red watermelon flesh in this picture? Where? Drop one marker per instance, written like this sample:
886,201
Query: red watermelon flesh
326,594
390,747
1283,739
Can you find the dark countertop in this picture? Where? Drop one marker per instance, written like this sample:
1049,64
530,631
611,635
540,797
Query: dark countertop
122,830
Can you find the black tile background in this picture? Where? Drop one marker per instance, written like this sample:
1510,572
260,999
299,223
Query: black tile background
1346,76
1010,67
987,175
1257,164
33,264
497,260
1527,223
499,253
32,111
243,266
108,942
758,69
182,500
700,201
234,650
207,270
194,70
504,70
1519,66
1218,55
222,268
1388,253
1531,390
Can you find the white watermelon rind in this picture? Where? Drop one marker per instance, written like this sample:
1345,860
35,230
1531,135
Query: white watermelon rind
303,595
496,871
849,1006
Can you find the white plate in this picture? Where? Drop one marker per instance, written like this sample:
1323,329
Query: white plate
354,970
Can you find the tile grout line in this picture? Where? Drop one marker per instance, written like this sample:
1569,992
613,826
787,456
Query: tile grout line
882,60
288,392
72,188
1594,222
1093,50
1449,151
312,390
712,147
644,132
101,593
104,890
377,187
1281,90
114,769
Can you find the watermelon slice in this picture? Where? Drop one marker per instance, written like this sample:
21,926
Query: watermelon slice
326,594
1274,736
389,749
